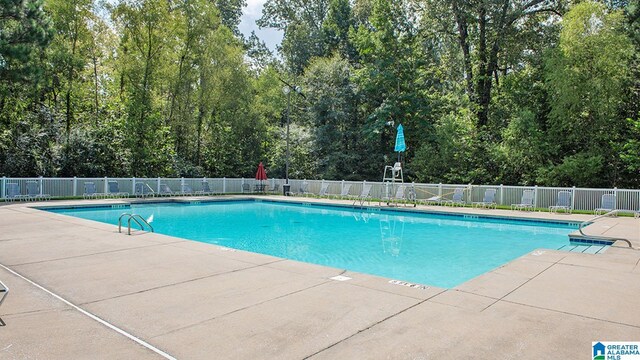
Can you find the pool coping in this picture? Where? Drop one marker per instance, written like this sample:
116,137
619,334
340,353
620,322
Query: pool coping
574,237
511,295
302,202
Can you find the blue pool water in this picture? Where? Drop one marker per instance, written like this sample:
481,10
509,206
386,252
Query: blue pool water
439,250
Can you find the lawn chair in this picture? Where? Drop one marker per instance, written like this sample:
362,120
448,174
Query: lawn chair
324,190
563,202
206,190
275,189
488,201
608,204
186,190
397,196
90,191
457,199
364,195
434,200
144,190
526,202
302,190
246,188
165,190
344,193
13,192
33,192
114,190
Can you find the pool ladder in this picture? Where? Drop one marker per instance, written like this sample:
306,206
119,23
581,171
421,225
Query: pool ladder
136,218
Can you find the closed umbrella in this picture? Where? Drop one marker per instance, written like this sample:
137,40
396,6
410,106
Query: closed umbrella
261,175
400,145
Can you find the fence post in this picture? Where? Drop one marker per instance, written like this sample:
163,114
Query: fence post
615,196
573,198
133,185
182,184
106,185
40,185
224,185
440,190
341,186
158,185
3,187
75,186
535,197
501,194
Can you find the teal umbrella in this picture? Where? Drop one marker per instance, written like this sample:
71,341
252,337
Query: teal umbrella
400,145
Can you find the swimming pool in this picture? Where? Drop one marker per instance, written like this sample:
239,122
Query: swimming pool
432,249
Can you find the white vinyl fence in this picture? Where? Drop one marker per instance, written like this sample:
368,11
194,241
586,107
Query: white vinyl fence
582,198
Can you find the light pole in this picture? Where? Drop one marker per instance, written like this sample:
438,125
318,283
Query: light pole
287,91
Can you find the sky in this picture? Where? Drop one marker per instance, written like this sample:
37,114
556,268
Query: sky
251,13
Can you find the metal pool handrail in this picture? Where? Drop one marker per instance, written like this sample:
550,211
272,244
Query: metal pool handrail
134,217
590,221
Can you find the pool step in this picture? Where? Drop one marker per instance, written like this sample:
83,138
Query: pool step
585,249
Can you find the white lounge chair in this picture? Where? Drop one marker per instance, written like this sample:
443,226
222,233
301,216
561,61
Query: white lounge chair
457,199
165,190
303,190
144,190
608,204
274,189
563,202
397,196
364,195
186,189
324,189
526,202
114,190
13,192
344,193
90,191
488,201
206,189
33,192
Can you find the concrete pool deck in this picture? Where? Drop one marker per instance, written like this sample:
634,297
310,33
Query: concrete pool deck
198,301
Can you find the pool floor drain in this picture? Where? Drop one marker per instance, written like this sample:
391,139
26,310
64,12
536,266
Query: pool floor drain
340,278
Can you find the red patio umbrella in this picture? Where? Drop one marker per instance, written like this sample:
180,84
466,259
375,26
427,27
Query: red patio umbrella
261,175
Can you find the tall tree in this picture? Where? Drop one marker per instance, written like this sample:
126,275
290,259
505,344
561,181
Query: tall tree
69,50
587,77
231,13
481,29
301,21
146,42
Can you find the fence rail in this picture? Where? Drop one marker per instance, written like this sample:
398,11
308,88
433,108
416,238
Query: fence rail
582,198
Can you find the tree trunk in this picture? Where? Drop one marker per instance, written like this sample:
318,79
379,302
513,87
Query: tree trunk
463,41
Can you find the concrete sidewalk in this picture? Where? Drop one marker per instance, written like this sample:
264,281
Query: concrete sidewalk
200,301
